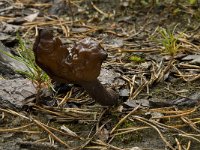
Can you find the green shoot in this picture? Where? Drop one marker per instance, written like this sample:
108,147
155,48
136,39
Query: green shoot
169,42
192,2
136,59
26,56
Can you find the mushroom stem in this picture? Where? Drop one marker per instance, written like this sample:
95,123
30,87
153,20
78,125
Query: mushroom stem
105,97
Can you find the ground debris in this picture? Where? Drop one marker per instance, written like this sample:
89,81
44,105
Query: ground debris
13,93
36,146
158,88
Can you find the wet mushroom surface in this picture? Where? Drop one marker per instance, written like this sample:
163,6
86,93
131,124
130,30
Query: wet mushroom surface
80,65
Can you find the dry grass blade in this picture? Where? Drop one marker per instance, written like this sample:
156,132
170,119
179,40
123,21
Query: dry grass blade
106,145
41,125
63,133
178,144
167,110
189,136
142,28
182,133
159,132
191,44
129,130
14,113
135,50
48,111
190,123
38,4
5,18
187,77
95,147
188,146
100,11
93,136
184,113
17,129
165,71
37,145
46,23
123,119
131,83
65,99
189,66
139,89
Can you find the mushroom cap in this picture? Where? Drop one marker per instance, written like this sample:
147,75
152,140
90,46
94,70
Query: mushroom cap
80,64
44,42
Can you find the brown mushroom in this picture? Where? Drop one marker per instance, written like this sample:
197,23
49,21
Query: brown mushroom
80,65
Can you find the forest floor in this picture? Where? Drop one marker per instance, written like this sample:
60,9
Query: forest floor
153,63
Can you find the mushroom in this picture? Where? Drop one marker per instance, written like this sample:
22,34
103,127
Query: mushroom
79,65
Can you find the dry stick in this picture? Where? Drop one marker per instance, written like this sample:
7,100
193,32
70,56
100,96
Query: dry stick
99,119
195,46
165,126
97,124
178,144
2,18
39,23
165,70
93,148
139,89
14,113
114,33
66,98
15,129
130,130
100,11
175,93
162,137
189,66
50,133
70,9
161,110
63,133
38,123
7,8
139,50
49,111
180,73
131,84
195,76
64,27
72,115
184,134
178,115
39,146
140,30
109,146
123,119
38,4
189,136
189,145
86,143
28,31
190,123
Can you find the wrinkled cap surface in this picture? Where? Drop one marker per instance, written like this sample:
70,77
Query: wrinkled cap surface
45,41
81,64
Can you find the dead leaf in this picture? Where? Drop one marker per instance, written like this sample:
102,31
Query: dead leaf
70,132
31,17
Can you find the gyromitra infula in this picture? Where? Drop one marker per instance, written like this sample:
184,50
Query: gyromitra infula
80,65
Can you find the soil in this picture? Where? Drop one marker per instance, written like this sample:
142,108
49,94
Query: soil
130,31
